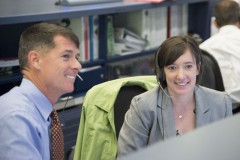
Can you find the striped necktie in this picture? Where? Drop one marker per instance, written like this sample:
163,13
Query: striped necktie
57,138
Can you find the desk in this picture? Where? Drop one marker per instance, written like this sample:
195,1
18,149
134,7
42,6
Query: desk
217,141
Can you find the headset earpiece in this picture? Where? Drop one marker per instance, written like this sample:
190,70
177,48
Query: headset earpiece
159,73
162,76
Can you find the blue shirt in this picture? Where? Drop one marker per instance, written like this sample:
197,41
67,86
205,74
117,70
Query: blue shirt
25,123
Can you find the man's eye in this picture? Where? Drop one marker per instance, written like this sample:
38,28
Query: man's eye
66,56
77,58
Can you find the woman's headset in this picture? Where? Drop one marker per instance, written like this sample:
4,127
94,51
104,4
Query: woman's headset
160,75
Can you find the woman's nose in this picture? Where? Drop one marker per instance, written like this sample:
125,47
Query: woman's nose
180,74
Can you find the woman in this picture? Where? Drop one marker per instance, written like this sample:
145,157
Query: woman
178,105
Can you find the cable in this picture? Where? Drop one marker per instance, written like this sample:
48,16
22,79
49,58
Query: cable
62,124
162,116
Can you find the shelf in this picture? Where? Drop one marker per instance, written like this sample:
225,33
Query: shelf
67,101
92,63
10,78
132,55
24,11
35,10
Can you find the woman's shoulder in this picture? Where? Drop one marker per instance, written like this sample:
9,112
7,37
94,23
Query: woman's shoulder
209,91
212,96
150,94
148,98
209,99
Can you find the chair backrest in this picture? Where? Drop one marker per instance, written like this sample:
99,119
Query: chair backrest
122,104
212,77
102,115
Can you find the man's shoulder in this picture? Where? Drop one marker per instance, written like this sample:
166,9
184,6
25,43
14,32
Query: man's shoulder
209,42
14,101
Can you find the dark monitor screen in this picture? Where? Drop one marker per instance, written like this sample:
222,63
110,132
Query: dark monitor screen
9,41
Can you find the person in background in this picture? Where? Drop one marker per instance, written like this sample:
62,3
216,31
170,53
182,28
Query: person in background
224,46
48,56
178,105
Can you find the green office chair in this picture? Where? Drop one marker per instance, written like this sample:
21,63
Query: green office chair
103,113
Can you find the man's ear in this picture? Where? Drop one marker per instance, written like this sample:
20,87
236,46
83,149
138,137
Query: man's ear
215,23
34,59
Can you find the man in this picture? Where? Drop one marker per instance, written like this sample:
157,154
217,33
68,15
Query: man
48,61
225,46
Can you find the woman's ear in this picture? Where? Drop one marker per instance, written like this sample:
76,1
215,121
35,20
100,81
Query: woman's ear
34,59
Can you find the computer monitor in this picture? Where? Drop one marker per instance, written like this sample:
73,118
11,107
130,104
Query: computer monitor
217,141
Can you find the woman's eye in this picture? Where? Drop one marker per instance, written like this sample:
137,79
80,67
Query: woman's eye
188,67
171,68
